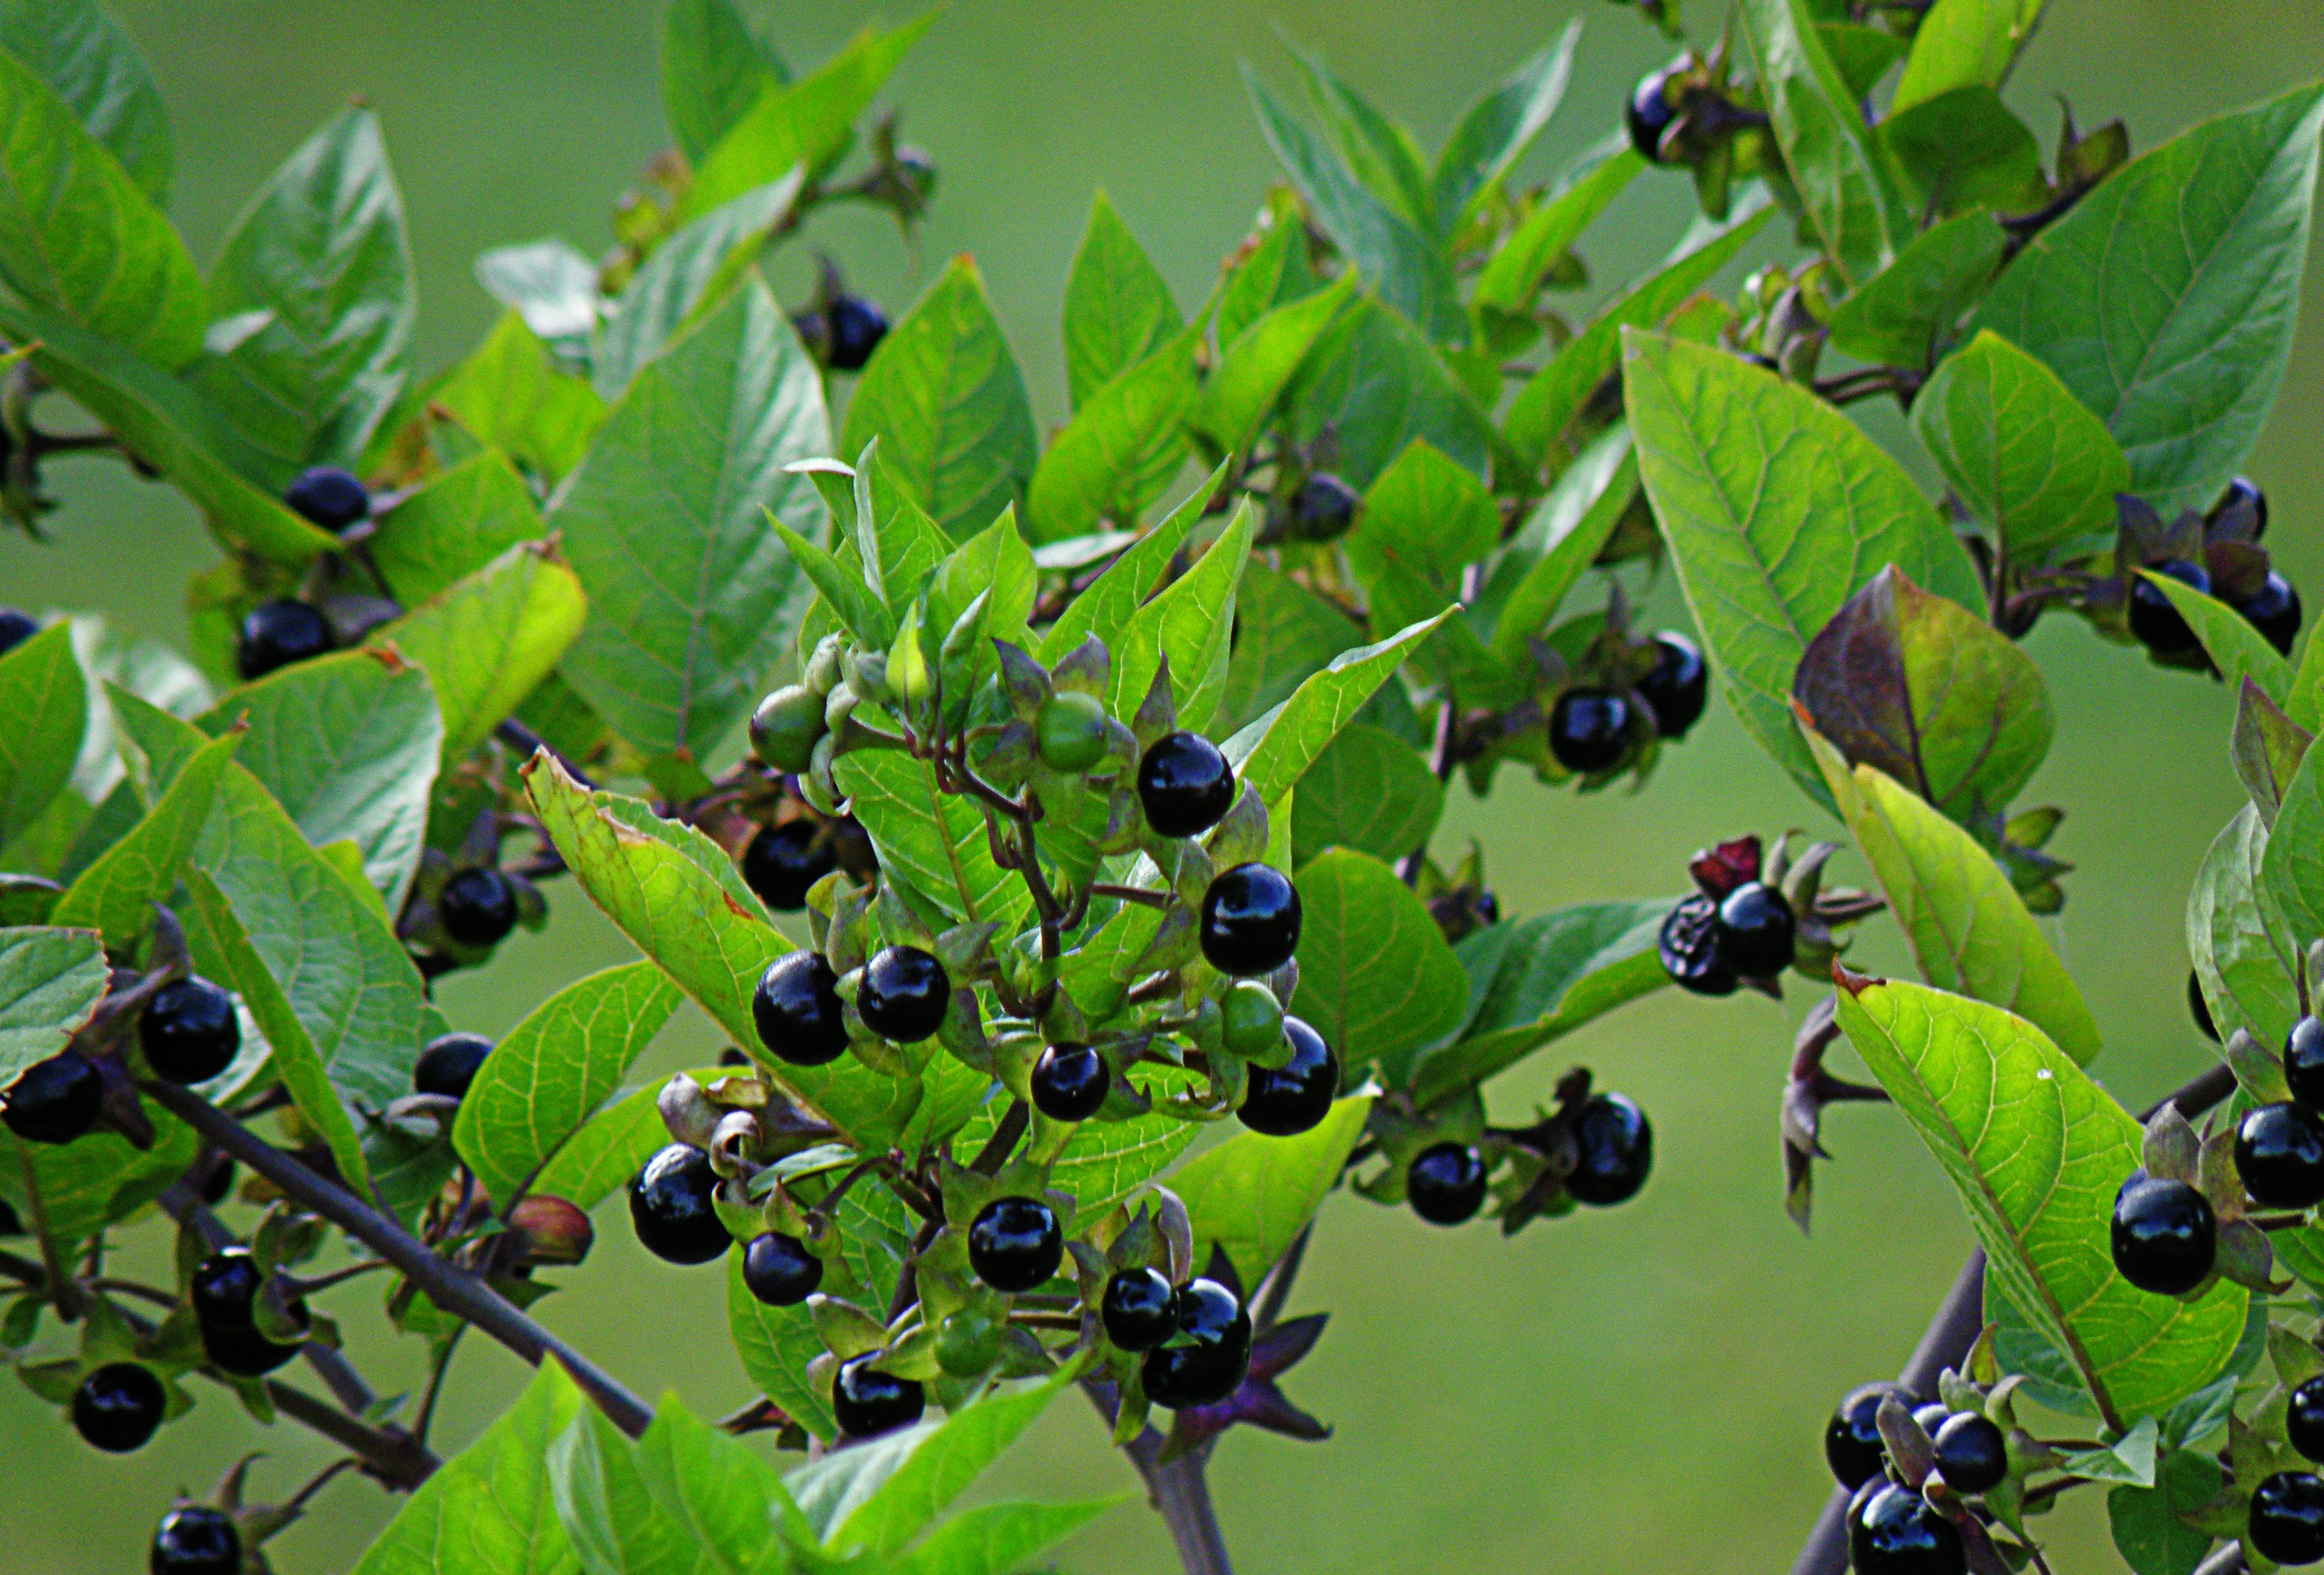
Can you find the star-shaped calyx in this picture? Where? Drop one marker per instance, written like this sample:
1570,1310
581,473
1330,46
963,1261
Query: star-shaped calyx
1277,1345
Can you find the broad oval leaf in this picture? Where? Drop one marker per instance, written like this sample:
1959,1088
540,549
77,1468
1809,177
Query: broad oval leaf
89,58
511,394
1844,182
1963,41
50,980
1370,791
1123,448
116,893
44,714
1908,313
1272,753
1252,1195
2236,649
1376,976
611,1520
688,274
1118,306
2246,955
454,524
490,1507
485,641
713,70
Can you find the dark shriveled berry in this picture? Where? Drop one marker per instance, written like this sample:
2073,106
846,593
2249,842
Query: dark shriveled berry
1139,1309
1755,930
16,627
1285,1100
2304,1418
1250,920
856,326
329,497
867,1401
781,862
1185,785
118,1407
1647,114
1679,686
1446,1184
189,1032
196,1540
1015,1244
54,1100
450,1064
1896,1531
2165,1236
797,1010
2303,1062
1689,948
1070,1081
1589,731
904,994
2287,1518
2273,609
477,907
1209,1354
1852,1446
275,634
1615,1151
1972,1454
778,1269
2280,1155
670,1206
1324,508
2154,622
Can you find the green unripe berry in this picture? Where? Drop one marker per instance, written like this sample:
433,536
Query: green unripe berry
785,726
1251,1019
967,1343
822,672
1069,732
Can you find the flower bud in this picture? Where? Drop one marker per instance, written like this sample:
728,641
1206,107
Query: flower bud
554,1231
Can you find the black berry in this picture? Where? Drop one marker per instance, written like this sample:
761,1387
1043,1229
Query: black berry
189,1032
2280,1155
783,861
1614,1151
1851,1438
1185,785
10,1225
118,1407
856,326
1755,930
1446,1184
1287,1101
2154,622
1250,920
2275,611
224,1287
2303,1062
1649,114
329,497
1069,1082
1139,1309
16,627
904,994
1014,1244
1589,731
2243,493
2165,1236
670,1206
1679,686
54,1100
218,1181
477,907
1689,948
2287,1518
1971,1453
778,1269
1323,508
275,634
1209,1352
867,1401
1897,1533
2200,1008
196,1540
448,1065
2304,1418
245,1352
1930,1416
798,1010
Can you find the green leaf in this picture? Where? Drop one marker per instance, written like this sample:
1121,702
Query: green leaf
1907,314
511,395
455,523
2147,1531
2244,952
610,1519
1557,545
2291,869
116,893
729,1500
994,1539
1777,508
1276,273
1376,976
608,1149
1380,153
1121,449
775,1345
550,1071
2239,650
712,70
1964,41
1843,180
1118,306
51,980
934,842
1861,54
1964,151
1546,406
44,712
549,284
97,1179
689,276
1535,981
2166,300
1283,635
945,399
1424,522
2037,1152
1274,752
1969,928
1257,365
79,237
1252,1195
89,59
1113,600
488,640
1106,1160
1512,275
346,744
1498,129
938,1468
1191,625
692,599
313,306
1375,382
491,1506
1368,792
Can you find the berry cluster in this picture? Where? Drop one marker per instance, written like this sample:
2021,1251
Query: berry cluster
1595,730
1913,1473
1751,918
2217,553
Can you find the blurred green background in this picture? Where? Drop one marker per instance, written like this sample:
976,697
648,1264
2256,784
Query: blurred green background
1641,1389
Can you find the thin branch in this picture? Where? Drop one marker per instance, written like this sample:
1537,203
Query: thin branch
427,1417
1003,1142
317,1482
61,1291
395,1458
1179,1491
1138,893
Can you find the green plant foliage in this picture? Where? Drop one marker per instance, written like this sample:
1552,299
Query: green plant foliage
1251,1195
1375,974
51,980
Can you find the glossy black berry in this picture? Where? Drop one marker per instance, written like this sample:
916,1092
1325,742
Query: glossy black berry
16,627
1015,1244
1614,1146
1895,1532
1930,1416
670,1206
245,1352
2154,622
224,1287
329,497
10,1225
904,994
217,1182
1755,930
2244,492
1208,1356
2303,1062
783,861
1647,114
798,1010
1689,948
1285,1100
54,1100
1679,686
1250,920
2200,1008
118,1407
778,1269
196,1540
2275,611
856,326
1185,785
2280,1155
2287,1518
477,907
1323,508
189,1032
275,634
1446,1184
1069,1082
448,1065
2304,1418
1971,1453
867,1401
1589,731
2165,1236
1139,1309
